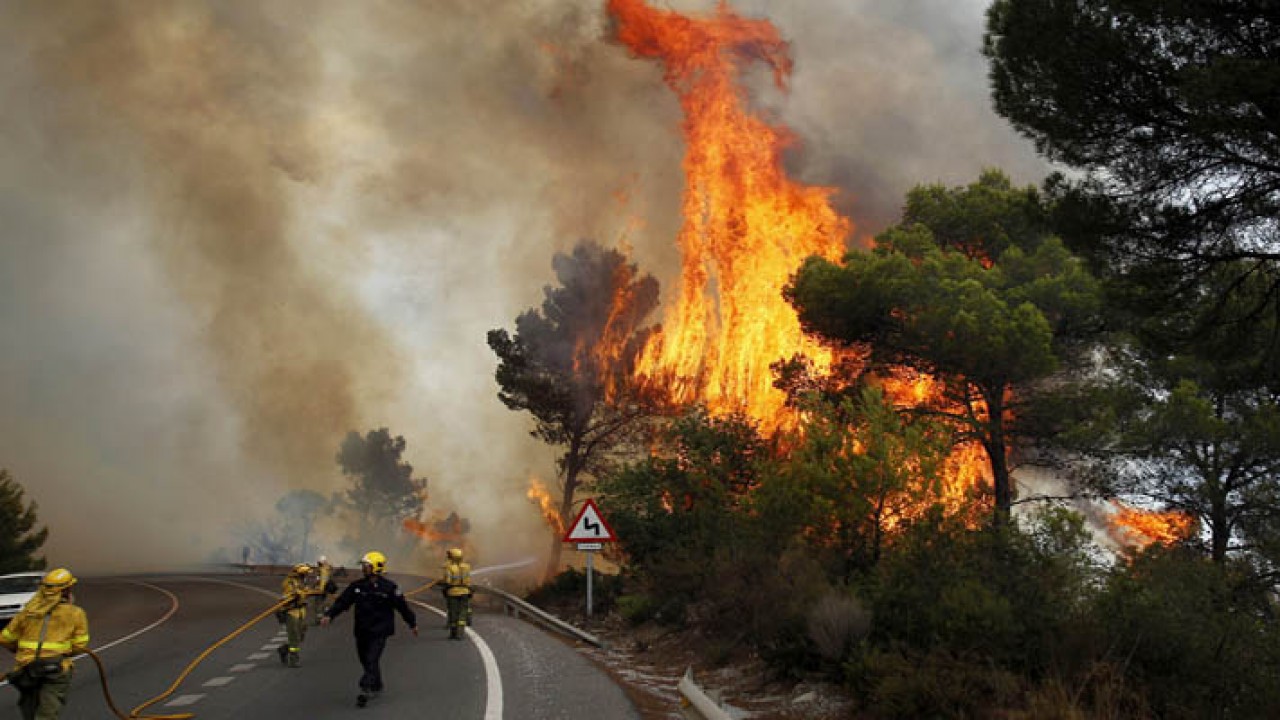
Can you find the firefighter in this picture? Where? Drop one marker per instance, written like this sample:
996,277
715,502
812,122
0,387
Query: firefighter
44,635
294,589
376,599
456,582
325,588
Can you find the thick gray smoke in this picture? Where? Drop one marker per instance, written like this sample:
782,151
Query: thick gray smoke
232,232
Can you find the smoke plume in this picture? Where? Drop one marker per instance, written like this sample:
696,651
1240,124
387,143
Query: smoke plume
233,232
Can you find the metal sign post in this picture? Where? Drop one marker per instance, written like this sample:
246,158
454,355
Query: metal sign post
590,531
590,549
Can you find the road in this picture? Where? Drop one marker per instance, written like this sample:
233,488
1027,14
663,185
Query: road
148,629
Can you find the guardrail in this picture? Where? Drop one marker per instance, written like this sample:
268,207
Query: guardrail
518,607
696,704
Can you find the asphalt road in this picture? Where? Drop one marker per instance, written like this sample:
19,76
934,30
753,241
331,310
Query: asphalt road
148,629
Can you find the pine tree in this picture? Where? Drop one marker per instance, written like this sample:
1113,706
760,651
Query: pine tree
19,540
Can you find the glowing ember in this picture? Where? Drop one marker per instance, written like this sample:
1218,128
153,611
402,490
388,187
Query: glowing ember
1140,528
747,226
538,493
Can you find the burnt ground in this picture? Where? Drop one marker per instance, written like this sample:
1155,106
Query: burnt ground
648,661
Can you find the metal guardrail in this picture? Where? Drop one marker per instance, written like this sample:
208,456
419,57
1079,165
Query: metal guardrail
518,607
695,703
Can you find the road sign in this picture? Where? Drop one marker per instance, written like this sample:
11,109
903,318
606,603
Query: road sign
589,527
590,547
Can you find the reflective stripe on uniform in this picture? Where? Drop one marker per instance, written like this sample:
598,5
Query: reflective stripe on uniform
33,644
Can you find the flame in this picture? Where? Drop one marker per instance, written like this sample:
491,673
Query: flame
747,226
449,529
1140,528
539,494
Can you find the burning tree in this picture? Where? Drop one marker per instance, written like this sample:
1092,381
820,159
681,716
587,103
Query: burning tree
569,363
972,289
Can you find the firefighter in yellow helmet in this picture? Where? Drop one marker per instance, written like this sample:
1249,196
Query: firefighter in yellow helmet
456,581
377,599
294,589
44,635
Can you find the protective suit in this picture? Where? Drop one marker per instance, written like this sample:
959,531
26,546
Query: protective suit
294,589
456,581
325,587
44,636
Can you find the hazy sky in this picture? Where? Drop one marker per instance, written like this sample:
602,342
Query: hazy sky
231,232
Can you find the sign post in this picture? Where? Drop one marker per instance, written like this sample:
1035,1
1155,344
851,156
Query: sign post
590,532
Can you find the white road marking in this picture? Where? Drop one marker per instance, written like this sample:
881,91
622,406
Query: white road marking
271,646
173,608
218,681
492,678
242,667
184,700
259,656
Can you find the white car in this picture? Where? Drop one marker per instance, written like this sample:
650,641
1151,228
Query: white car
15,591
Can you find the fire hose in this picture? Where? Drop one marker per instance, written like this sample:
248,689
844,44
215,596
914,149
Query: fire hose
135,714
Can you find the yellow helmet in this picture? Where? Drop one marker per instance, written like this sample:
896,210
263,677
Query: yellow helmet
59,579
455,554
376,561
301,569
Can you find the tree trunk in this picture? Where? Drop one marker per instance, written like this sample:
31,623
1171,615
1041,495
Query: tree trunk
572,470
997,453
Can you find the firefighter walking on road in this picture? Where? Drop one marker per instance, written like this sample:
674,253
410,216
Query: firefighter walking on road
294,589
44,635
376,600
457,593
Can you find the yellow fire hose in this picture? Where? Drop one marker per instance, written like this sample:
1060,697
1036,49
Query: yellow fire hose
135,713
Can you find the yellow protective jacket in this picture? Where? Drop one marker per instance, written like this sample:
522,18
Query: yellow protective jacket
66,635
456,579
326,576
292,587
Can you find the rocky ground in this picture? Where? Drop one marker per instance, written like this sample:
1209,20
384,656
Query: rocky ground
650,660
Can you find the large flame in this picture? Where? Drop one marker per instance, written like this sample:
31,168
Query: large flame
538,493
1140,528
747,226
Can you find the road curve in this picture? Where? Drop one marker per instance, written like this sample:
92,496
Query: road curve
147,630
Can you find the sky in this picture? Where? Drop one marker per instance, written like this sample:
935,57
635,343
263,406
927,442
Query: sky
233,232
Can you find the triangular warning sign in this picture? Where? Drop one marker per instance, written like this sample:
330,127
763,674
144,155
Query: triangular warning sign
589,527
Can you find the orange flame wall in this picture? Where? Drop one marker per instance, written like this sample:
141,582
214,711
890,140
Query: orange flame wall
747,226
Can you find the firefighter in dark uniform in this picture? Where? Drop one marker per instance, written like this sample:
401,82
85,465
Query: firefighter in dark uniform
376,600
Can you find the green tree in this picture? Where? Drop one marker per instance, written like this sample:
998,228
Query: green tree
1189,425
383,490
990,303
19,538
684,512
858,468
569,362
1171,110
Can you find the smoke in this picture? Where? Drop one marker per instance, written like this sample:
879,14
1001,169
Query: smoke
234,232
